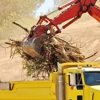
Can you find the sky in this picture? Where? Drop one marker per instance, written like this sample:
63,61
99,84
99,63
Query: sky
44,7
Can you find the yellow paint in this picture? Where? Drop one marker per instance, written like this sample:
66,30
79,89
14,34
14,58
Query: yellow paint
36,90
47,90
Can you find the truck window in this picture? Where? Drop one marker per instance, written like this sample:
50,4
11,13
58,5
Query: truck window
79,81
92,78
75,79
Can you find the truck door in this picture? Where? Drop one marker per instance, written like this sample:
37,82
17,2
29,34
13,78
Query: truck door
74,86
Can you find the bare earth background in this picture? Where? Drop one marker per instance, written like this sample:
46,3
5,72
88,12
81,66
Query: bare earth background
85,34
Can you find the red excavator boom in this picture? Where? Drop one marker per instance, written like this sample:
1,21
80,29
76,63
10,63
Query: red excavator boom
74,10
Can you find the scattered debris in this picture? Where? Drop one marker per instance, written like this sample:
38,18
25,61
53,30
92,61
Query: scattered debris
41,54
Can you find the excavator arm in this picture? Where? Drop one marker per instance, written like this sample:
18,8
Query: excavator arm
73,11
94,11
70,12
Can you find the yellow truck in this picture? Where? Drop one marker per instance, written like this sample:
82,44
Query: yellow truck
73,81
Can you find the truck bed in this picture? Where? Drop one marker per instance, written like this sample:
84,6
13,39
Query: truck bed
31,90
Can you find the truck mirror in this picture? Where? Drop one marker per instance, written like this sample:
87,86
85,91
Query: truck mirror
72,80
